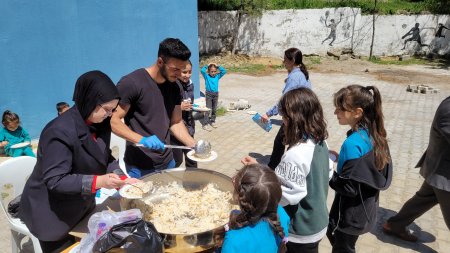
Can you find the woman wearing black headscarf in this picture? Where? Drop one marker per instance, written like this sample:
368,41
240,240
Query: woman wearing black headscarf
73,161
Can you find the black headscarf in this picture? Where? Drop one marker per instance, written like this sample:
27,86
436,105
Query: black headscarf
93,88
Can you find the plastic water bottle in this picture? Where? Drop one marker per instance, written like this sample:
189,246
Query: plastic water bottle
266,126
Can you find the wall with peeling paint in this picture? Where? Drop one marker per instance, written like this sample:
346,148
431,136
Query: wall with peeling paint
274,31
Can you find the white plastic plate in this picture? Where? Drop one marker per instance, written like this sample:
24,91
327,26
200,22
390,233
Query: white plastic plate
201,109
123,192
191,156
20,145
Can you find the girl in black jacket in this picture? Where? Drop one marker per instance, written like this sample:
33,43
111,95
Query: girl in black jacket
364,167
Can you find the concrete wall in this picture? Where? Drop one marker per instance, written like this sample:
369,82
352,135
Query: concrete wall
45,45
274,31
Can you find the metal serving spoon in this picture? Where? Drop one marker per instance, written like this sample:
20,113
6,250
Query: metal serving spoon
167,146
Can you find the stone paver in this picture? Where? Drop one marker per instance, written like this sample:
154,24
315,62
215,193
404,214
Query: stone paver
408,118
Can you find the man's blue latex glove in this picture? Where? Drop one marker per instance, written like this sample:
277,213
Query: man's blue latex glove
152,142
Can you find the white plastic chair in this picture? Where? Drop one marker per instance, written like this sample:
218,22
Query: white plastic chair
120,143
14,173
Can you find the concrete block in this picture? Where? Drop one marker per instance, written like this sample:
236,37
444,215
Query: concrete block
347,51
343,57
410,88
333,53
424,90
404,57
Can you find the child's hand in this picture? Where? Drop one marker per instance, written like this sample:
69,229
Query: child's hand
186,106
3,143
333,155
248,160
264,118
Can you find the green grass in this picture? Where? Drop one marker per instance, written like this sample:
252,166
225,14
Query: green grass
367,6
384,6
310,61
396,61
253,69
264,69
221,111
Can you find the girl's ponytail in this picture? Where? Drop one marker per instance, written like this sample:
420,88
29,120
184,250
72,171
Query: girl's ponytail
304,70
298,59
274,222
376,128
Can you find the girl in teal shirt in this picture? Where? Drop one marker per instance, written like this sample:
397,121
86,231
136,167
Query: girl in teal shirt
12,133
261,225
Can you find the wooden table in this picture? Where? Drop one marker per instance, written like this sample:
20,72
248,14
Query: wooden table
70,248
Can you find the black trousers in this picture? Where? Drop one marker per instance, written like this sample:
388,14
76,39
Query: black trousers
212,99
179,153
57,246
278,149
302,247
426,198
342,242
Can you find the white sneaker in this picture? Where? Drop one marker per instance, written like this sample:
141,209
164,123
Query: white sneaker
213,124
206,128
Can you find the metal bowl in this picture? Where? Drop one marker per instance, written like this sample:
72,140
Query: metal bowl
190,179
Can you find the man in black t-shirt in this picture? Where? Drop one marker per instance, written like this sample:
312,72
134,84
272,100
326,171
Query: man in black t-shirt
150,106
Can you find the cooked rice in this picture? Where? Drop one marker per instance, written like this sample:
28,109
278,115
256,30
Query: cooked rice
179,211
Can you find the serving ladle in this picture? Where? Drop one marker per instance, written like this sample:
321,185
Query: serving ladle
202,148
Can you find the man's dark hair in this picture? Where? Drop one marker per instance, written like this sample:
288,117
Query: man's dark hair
61,105
173,48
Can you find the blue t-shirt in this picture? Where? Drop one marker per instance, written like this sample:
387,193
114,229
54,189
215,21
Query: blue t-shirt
357,144
258,238
212,83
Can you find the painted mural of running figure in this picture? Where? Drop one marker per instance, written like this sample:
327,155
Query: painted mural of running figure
333,25
440,31
415,36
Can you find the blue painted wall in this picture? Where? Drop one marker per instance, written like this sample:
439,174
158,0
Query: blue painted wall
46,45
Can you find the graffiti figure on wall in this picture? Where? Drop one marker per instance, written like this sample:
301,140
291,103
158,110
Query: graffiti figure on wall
332,26
439,32
415,36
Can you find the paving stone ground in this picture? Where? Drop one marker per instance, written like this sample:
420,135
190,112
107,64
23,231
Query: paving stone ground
408,118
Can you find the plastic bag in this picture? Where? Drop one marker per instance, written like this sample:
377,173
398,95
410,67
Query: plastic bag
135,236
100,223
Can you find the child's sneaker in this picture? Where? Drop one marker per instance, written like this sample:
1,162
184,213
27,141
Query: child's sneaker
213,124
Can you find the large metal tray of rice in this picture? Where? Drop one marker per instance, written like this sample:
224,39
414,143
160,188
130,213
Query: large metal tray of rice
189,207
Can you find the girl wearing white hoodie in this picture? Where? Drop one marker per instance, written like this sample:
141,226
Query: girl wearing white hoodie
304,170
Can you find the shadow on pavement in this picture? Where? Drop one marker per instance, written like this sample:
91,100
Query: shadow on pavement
263,159
419,246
